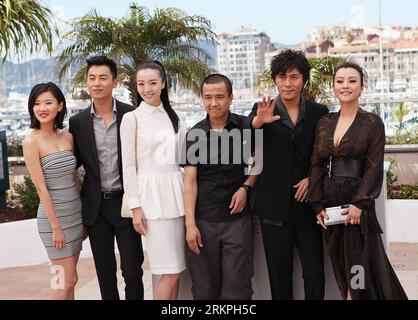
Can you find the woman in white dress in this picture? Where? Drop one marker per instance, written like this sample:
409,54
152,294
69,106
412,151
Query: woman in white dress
152,179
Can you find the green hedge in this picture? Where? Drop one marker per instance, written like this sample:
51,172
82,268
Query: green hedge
14,147
29,198
399,191
409,138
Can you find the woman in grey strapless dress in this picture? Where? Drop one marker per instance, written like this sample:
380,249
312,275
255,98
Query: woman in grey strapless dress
52,166
59,168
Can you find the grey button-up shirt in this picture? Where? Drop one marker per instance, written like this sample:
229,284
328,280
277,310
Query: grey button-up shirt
107,150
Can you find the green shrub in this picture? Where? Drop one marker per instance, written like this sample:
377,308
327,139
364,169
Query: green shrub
29,198
408,138
390,176
401,191
14,147
405,191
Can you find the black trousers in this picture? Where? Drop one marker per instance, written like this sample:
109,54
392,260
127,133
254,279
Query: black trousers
224,267
279,242
102,235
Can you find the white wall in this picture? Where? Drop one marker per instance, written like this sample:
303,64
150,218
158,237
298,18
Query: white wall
402,217
21,246
260,281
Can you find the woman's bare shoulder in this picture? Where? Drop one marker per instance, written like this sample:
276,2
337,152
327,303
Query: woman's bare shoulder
66,135
31,140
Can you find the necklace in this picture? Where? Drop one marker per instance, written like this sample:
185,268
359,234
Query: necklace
53,138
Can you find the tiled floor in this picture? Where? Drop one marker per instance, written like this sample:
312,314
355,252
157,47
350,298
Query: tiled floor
33,282
27,283
404,258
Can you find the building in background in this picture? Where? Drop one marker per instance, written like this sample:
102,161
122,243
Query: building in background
406,65
367,55
330,33
241,56
400,63
399,70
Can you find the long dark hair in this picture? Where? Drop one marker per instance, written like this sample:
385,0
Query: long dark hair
156,65
36,91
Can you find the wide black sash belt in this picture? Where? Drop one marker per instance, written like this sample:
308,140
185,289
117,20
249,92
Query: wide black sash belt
343,167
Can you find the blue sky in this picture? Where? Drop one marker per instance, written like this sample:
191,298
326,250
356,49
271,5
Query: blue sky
285,22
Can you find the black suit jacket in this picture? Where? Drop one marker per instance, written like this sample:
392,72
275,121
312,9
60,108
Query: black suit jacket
282,166
81,127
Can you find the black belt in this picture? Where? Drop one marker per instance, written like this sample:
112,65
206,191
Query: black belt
343,167
107,195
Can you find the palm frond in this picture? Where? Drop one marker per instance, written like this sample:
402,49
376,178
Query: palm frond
319,86
168,35
25,27
265,85
188,73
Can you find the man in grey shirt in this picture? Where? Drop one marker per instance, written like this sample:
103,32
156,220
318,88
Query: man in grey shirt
97,148
107,149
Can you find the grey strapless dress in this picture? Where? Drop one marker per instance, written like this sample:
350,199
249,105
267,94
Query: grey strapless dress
58,169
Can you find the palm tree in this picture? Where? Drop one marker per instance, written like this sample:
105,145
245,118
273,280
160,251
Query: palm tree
168,35
400,114
319,86
265,84
25,27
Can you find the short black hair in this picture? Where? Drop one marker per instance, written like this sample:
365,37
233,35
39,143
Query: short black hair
217,78
352,65
288,60
102,61
36,91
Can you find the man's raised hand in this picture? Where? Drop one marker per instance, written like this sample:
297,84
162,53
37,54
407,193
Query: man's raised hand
265,112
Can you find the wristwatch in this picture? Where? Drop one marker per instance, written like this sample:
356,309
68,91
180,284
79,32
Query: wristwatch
246,187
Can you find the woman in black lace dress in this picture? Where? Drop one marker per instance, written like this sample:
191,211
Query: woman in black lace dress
352,143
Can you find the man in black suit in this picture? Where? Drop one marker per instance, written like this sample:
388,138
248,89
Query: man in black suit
97,148
288,124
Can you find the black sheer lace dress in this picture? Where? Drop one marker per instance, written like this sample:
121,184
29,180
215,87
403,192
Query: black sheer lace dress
354,245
